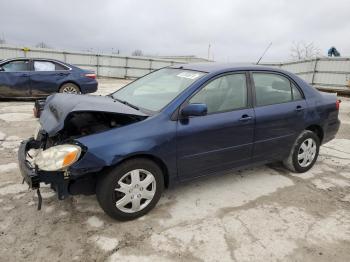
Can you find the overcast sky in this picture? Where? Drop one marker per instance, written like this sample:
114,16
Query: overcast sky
237,30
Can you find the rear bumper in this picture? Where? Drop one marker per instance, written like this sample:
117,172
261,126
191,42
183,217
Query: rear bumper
331,130
89,87
33,177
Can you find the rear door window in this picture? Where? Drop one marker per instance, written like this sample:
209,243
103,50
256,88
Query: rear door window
16,66
274,89
48,66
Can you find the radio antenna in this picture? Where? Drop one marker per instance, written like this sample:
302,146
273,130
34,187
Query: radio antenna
267,48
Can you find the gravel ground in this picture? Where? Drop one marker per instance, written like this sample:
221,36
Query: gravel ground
259,214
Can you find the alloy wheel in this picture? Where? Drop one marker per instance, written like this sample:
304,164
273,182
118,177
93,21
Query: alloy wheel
70,90
135,190
307,152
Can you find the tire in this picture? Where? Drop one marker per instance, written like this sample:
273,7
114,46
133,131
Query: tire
309,144
69,88
118,195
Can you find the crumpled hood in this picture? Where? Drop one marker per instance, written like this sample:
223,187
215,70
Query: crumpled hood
59,106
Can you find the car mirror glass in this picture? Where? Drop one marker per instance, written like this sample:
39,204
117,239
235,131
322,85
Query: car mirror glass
197,109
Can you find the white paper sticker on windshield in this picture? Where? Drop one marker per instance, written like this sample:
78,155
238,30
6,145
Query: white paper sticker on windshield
189,75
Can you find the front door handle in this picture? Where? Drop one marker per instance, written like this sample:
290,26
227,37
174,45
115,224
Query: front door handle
245,118
24,75
299,108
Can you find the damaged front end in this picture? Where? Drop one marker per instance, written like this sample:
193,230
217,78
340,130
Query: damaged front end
48,156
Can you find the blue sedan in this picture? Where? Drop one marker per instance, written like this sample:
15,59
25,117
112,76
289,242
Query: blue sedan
23,78
173,125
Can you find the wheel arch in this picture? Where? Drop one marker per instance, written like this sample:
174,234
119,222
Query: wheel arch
154,159
317,129
67,82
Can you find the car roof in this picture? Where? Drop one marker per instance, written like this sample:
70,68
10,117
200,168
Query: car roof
32,58
40,59
212,67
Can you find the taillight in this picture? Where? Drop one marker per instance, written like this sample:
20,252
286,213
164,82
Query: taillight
91,75
337,104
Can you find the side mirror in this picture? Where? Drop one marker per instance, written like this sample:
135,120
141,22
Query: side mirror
194,110
1,69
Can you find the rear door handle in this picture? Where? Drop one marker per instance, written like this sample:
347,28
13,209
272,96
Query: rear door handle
245,118
63,74
299,108
24,75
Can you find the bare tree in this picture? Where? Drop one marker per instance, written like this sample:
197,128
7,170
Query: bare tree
137,52
42,45
302,50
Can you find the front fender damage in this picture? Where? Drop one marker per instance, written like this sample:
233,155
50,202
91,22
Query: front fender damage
64,120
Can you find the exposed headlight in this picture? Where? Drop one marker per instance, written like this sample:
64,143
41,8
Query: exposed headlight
57,157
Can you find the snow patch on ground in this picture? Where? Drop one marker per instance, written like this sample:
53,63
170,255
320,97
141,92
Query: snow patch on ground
266,233
13,189
326,183
8,208
12,117
8,167
2,136
19,196
62,213
117,257
104,243
12,138
49,209
47,195
94,221
237,189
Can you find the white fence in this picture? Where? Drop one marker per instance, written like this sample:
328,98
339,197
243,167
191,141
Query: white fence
104,65
323,72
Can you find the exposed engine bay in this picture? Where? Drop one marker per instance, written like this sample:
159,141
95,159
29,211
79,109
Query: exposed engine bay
78,124
86,123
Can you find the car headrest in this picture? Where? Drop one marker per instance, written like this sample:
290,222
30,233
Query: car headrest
280,85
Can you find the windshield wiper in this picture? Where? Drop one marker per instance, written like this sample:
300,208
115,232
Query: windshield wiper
126,103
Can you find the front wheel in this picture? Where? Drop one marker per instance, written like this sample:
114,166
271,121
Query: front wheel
130,190
304,152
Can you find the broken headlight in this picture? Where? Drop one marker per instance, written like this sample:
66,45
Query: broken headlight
57,157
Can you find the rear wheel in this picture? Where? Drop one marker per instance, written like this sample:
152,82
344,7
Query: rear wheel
130,190
69,88
304,152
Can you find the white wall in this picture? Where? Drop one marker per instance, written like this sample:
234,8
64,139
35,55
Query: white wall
322,72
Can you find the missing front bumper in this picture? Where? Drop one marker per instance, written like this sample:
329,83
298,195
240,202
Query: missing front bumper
58,181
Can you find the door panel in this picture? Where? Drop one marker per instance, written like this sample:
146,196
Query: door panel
214,142
223,139
45,80
279,112
14,84
14,80
277,127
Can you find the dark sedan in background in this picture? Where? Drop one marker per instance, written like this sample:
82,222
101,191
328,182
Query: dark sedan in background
35,77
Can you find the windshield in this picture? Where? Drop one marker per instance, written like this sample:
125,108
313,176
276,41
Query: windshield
156,90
